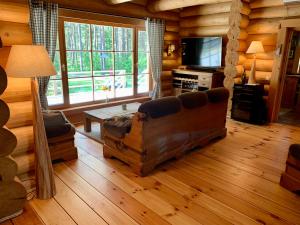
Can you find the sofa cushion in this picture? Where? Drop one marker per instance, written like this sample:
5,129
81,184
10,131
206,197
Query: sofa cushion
295,151
118,126
55,124
160,107
217,94
192,100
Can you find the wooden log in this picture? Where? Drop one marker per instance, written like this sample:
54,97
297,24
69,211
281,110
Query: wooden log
245,10
265,55
170,64
12,198
261,76
25,163
18,90
265,26
261,65
171,36
3,80
172,26
164,5
4,52
20,114
265,3
217,19
223,7
275,12
25,142
242,46
266,39
240,70
242,59
237,80
232,58
244,22
11,11
243,34
10,141
204,31
15,34
125,9
4,113
8,169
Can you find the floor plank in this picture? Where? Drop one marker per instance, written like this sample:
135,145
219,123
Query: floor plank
100,204
131,206
28,217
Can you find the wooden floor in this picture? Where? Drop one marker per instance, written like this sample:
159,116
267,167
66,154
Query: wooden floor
232,181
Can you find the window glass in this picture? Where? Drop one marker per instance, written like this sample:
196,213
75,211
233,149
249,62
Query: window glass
100,63
143,63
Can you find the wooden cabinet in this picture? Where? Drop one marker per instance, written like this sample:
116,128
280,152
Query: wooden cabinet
290,91
189,80
248,104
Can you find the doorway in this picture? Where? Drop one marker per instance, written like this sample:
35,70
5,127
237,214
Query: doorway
285,75
289,112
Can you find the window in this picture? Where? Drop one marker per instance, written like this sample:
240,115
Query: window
143,63
55,88
102,61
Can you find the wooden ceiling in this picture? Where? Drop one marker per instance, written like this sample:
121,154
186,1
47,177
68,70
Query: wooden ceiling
114,2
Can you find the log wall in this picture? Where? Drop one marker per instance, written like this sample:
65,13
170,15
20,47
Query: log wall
14,29
170,62
265,17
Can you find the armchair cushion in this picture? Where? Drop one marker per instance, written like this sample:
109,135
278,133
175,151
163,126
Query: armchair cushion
55,124
295,151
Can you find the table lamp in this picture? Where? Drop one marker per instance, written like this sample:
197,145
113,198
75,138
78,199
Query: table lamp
31,61
254,48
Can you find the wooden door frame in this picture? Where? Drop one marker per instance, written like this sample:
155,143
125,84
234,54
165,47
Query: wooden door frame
280,66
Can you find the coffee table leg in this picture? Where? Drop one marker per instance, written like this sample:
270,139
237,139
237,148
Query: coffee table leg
87,125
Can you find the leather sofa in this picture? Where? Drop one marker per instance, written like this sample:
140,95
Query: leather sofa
166,128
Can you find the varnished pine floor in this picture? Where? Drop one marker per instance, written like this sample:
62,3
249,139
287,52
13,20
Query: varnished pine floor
232,181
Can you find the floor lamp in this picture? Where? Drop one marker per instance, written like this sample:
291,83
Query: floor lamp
31,61
254,48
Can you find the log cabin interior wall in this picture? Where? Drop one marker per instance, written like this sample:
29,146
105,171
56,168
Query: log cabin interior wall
14,29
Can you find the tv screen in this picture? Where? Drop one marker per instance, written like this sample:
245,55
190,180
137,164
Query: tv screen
203,52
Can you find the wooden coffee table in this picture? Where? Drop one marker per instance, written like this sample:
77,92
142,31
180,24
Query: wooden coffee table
99,115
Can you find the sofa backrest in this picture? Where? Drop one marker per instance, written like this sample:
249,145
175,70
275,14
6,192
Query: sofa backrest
191,100
160,107
217,95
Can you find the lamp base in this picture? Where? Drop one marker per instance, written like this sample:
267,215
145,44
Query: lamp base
252,79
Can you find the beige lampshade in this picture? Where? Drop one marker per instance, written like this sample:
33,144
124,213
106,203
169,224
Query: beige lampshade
29,61
255,47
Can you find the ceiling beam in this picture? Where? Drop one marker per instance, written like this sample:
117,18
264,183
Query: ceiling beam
164,5
114,2
125,9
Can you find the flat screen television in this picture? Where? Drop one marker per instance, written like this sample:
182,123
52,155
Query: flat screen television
204,52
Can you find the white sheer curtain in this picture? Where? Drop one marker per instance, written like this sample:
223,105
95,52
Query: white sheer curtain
156,30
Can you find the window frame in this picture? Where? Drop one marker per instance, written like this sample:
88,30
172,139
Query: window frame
137,25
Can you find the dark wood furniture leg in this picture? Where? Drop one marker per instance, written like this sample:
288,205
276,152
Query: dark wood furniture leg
87,124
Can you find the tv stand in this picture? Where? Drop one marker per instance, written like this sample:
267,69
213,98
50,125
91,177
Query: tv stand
191,80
